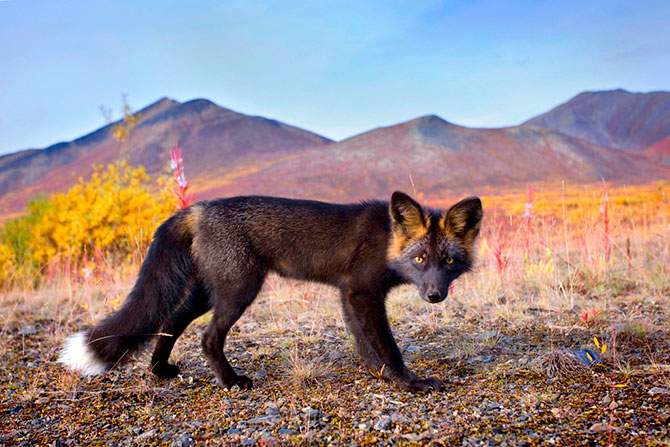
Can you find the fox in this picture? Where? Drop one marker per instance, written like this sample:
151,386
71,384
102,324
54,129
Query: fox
216,254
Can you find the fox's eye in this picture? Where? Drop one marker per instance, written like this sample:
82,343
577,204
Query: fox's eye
418,259
449,260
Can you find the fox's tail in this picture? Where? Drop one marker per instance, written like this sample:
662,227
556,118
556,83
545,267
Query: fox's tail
158,291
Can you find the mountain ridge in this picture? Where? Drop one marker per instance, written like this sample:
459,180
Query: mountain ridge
616,118
228,152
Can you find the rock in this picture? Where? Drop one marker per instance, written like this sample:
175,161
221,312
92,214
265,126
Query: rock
416,437
260,374
285,431
262,420
383,424
29,331
600,427
335,355
311,413
146,435
397,417
270,441
271,408
486,335
234,431
658,390
185,440
248,441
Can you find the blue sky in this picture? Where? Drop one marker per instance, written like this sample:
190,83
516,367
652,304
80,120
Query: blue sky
337,68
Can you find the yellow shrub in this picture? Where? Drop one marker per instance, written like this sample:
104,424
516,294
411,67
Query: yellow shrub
112,214
6,262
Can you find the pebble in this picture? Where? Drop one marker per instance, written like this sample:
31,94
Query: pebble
234,431
659,390
248,441
398,417
29,331
262,420
146,435
311,413
185,440
260,374
486,335
271,408
335,355
383,424
285,431
270,441
600,427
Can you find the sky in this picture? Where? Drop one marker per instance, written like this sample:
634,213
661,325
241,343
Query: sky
337,68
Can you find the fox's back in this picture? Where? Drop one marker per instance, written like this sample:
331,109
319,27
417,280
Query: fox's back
303,239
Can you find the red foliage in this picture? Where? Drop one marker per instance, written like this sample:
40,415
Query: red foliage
604,211
501,260
586,317
184,198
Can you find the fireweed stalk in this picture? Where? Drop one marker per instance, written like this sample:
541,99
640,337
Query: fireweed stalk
184,198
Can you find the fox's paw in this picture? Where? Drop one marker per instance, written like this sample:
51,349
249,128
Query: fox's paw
425,385
243,382
165,370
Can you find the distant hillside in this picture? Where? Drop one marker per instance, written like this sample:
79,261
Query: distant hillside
615,118
441,157
660,151
217,140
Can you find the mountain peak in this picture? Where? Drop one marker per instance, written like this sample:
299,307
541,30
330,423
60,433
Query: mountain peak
429,119
616,118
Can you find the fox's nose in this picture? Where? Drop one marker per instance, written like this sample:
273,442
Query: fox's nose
434,296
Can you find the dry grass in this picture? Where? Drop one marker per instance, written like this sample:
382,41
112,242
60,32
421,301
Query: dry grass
559,363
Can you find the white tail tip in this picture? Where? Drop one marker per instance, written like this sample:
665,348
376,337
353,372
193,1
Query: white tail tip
78,355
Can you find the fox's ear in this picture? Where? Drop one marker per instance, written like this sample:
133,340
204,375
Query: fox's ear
463,220
407,215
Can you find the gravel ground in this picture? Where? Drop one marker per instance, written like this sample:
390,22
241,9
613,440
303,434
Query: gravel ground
503,386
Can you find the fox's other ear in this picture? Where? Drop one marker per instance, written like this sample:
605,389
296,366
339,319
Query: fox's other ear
463,220
407,215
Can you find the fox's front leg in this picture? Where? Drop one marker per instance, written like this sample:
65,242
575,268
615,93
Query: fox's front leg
365,316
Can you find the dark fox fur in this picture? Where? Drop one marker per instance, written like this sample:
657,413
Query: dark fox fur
216,255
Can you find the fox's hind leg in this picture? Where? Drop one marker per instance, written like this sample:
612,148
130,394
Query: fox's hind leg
195,305
230,299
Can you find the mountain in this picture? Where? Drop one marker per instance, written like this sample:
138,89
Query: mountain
229,153
442,157
217,141
615,118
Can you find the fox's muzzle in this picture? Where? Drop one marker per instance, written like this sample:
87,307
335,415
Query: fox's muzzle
434,296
